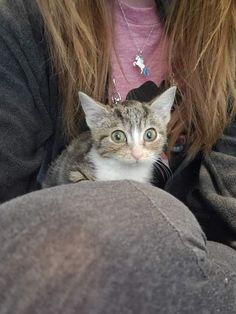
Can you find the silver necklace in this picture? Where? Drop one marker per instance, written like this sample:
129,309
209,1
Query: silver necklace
138,58
115,96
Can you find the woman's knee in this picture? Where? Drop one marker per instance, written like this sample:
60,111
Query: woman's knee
108,246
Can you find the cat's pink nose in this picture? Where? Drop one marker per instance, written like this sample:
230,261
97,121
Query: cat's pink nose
137,154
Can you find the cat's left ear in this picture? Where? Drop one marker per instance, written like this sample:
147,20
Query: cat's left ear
162,104
92,109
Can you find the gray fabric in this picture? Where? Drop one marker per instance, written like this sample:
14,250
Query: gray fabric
30,120
32,134
207,185
112,247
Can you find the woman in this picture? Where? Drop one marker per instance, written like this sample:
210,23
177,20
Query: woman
147,253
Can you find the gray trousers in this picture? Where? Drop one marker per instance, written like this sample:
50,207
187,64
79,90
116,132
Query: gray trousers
110,247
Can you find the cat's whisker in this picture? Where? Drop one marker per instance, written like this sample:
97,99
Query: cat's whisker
162,162
167,171
166,175
164,167
160,169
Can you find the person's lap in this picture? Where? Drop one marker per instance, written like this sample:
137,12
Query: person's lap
110,247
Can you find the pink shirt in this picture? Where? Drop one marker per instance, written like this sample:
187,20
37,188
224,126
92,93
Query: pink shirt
145,30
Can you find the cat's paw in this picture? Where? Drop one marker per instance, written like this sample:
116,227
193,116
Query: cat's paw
76,176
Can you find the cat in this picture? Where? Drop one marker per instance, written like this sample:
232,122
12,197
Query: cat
123,142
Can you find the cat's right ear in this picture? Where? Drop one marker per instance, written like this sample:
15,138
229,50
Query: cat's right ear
92,109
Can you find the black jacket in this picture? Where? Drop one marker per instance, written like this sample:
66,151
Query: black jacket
31,132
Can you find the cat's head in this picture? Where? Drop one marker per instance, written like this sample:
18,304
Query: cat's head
131,131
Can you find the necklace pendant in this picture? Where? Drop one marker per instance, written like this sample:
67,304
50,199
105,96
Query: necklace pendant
139,62
115,97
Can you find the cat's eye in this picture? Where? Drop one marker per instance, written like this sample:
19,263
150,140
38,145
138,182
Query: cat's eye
118,136
150,135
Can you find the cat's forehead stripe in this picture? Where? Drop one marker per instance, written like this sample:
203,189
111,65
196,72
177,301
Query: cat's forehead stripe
118,113
146,112
136,135
131,115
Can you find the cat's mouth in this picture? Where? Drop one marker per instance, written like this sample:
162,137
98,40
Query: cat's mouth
134,161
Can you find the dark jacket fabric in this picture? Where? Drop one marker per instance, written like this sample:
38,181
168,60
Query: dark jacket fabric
31,129
207,185
30,110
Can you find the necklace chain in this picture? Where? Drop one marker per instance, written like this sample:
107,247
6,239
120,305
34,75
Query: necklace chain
115,96
140,51
138,60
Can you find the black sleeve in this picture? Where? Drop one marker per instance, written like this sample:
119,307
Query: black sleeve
217,186
24,121
207,185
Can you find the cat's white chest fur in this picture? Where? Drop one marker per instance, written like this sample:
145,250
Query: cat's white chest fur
110,169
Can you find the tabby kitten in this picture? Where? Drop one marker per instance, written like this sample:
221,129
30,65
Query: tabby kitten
123,142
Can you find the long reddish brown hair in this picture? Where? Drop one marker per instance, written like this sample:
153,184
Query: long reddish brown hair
202,58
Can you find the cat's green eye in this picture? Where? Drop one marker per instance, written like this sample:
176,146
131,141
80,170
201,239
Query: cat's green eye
118,136
150,135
